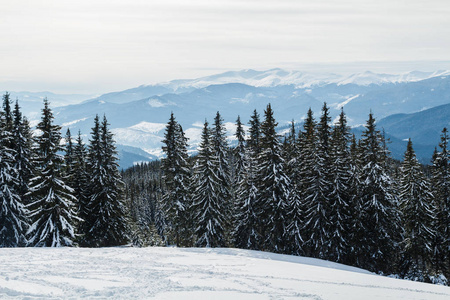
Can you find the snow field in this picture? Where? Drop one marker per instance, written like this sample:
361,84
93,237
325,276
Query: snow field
174,273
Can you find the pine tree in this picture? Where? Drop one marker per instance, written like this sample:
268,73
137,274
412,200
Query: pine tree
246,233
296,205
254,133
379,230
342,195
13,221
79,177
317,189
106,222
176,174
418,218
273,186
207,206
239,152
441,188
69,156
23,154
52,207
223,169
6,114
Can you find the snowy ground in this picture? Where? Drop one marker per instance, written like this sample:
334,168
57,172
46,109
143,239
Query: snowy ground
171,273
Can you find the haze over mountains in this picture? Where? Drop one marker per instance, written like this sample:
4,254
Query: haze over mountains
138,115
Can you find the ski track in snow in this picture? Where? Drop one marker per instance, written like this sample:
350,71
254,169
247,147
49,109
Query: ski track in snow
173,273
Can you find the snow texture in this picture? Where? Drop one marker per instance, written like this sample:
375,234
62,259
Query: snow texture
174,273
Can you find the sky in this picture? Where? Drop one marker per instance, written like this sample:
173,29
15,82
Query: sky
87,46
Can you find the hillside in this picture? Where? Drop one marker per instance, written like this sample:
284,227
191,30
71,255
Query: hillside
173,273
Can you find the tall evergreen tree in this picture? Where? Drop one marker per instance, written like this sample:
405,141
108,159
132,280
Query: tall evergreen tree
418,218
379,228
176,174
296,205
342,193
273,186
207,205
79,179
23,154
106,222
52,207
254,133
69,155
13,221
6,114
441,188
317,191
223,169
246,233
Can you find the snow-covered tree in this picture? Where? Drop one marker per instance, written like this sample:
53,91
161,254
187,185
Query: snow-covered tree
378,228
416,202
342,192
273,185
317,184
246,232
223,169
105,215
23,154
176,171
52,208
296,205
209,219
13,214
441,188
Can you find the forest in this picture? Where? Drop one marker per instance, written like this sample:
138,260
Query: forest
316,191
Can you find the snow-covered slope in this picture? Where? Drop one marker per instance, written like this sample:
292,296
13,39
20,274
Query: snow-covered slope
276,77
172,273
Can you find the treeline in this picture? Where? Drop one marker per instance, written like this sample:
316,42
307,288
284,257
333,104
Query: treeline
318,192
54,193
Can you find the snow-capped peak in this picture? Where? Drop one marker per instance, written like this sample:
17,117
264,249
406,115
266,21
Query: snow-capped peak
276,77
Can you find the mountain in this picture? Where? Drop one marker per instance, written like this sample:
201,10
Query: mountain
424,128
138,115
31,102
192,273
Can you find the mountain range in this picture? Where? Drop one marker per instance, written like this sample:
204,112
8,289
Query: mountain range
405,105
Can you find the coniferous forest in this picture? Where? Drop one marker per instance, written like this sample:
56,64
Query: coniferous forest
317,191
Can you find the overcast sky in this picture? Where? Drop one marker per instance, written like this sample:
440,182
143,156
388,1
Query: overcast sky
93,46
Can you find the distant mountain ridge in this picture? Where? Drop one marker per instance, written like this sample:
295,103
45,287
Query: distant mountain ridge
138,115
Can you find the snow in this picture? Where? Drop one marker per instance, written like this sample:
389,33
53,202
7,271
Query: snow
275,77
149,127
347,101
174,273
74,122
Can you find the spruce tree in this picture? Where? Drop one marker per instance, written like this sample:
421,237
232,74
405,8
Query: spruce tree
106,222
379,228
254,133
52,207
342,193
23,153
441,188
69,155
176,175
418,217
208,208
223,169
317,188
273,186
13,214
246,234
296,205
79,177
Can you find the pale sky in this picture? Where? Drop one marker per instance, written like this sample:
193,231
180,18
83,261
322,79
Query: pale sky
93,46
